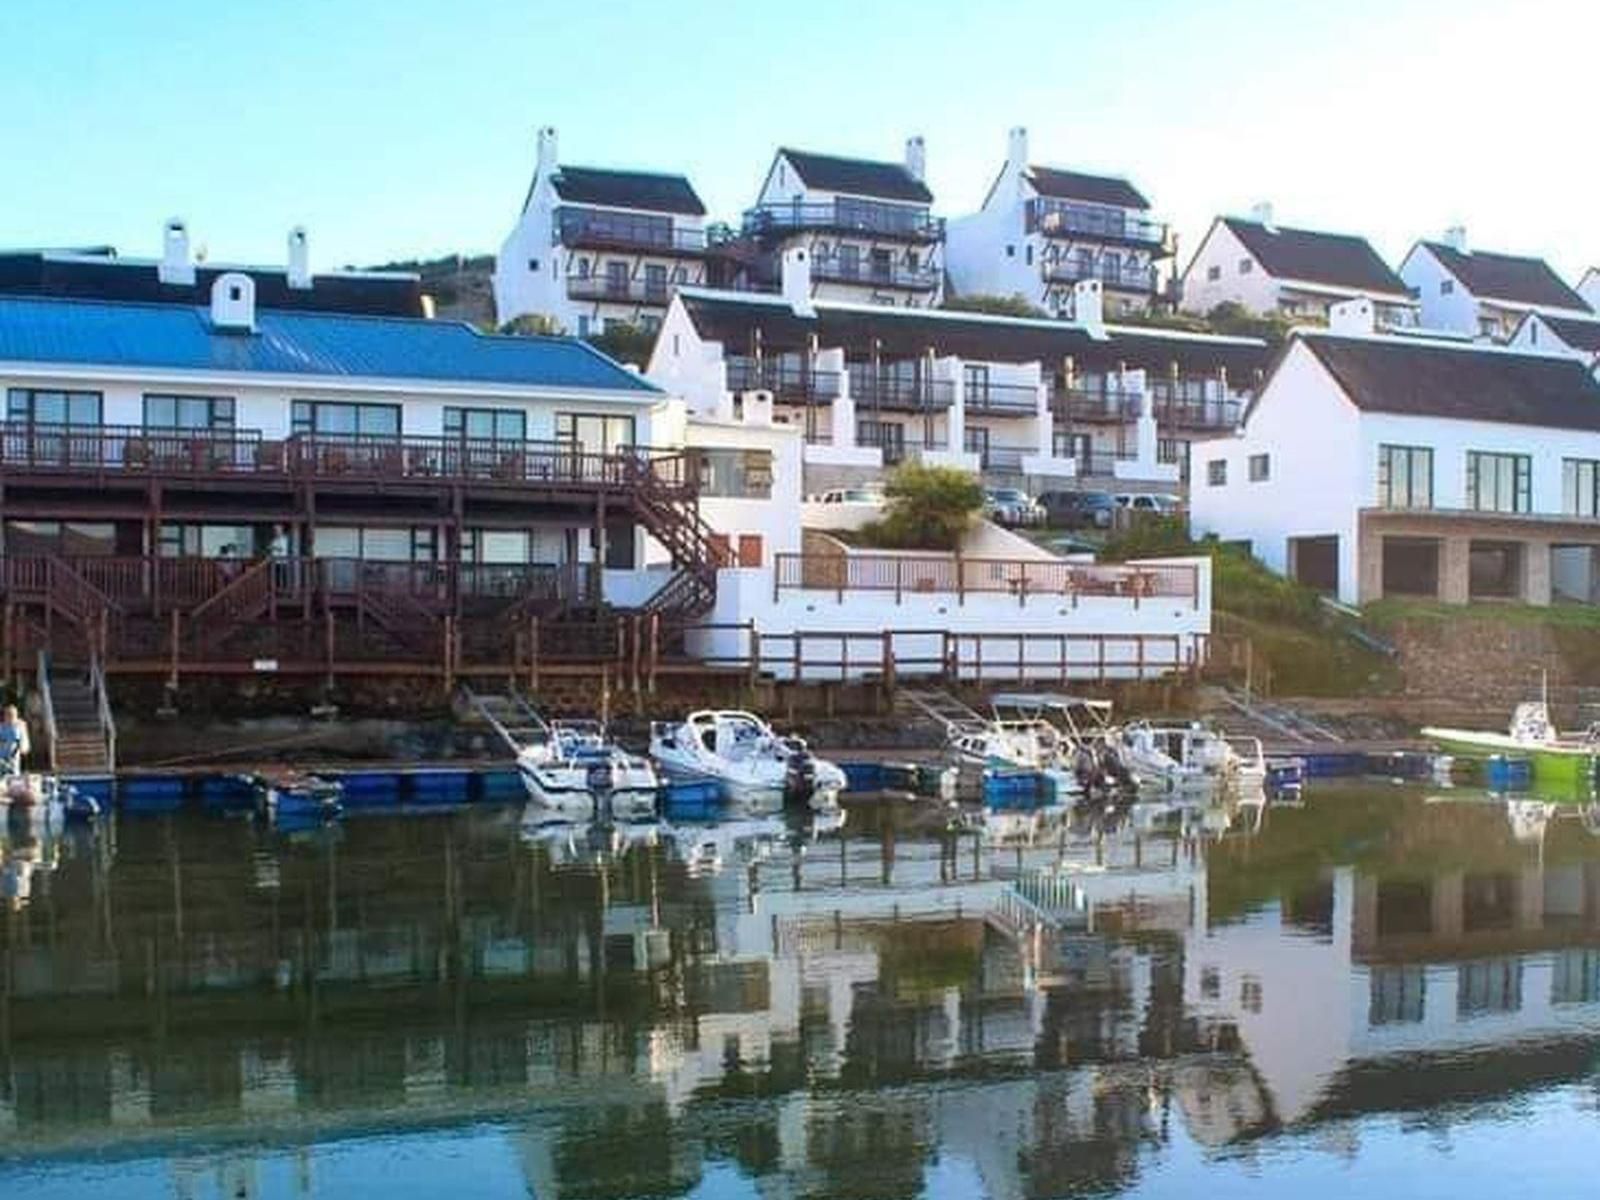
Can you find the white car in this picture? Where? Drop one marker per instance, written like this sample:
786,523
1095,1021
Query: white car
1012,506
1157,503
864,494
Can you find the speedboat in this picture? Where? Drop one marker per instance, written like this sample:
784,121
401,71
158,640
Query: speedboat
1183,757
1085,740
748,760
1558,758
293,796
574,772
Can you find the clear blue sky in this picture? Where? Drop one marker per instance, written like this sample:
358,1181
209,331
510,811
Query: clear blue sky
398,128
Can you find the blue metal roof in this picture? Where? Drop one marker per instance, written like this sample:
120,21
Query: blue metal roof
85,333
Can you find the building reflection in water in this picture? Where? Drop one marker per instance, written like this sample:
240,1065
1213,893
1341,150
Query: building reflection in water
1047,1000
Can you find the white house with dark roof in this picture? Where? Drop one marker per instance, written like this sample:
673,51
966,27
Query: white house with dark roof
1577,336
595,247
1301,273
1371,466
1483,294
1589,288
866,226
1042,230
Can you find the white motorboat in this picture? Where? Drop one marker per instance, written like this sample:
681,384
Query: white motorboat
746,758
1183,757
574,772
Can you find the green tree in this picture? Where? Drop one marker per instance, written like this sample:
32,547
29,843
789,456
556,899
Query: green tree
625,343
929,508
531,325
1014,305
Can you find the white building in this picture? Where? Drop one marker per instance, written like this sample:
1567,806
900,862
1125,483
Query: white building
1048,402
1372,466
1481,294
597,247
866,226
1589,288
1042,230
1270,268
1577,336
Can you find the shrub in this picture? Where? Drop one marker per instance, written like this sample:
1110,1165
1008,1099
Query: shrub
929,508
1014,305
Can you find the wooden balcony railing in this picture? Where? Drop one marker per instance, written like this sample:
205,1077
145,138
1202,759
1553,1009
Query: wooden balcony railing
900,222
903,574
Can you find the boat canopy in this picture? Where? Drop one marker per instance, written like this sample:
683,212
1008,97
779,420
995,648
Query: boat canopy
1055,700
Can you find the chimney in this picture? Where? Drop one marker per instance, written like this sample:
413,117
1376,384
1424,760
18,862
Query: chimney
176,265
1088,306
547,150
1261,214
1355,316
429,309
233,303
1017,151
796,275
917,158
299,258
1456,238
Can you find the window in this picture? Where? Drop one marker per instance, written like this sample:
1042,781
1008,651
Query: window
1405,477
183,539
975,386
1499,482
583,326
339,418
738,474
1245,266
1214,272
1260,467
414,544
1447,287
533,264
849,261
1011,251
187,412
1028,255
594,433
617,278
1217,472
1580,487
42,406
751,550
70,539
500,424
655,282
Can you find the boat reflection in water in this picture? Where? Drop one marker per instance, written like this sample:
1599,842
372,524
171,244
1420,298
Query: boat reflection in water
1074,1001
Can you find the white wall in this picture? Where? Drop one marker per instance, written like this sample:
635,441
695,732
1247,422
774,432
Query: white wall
1256,290
1456,309
1317,479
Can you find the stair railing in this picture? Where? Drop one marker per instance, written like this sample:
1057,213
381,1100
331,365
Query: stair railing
47,706
102,700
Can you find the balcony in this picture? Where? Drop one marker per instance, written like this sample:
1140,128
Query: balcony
789,382
867,273
1119,277
1197,414
899,393
898,445
1065,219
865,217
594,229
983,398
617,290
1096,403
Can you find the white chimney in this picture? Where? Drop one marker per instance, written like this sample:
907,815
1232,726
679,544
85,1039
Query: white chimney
547,151
299,258
1088,305
917,158
1456,238
1261,214
795,268
233,303
176,265
1017,151
1354,316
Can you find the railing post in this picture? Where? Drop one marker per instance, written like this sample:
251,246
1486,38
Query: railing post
899,564
753,641
174,650
961,580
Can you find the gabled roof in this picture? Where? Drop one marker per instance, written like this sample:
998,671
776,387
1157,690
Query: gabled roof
733,318
83,333
857,176
628,189
1507,277
1096,189
1576,332
1459,382
99,274
1332,259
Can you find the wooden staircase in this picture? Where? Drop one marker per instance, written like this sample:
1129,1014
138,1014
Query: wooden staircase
672,517
78,720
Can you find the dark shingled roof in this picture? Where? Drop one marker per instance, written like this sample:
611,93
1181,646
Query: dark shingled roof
1096,189
628,189
908,332
1459,382
1508,277
105,277
858,176
1333,259
1575,331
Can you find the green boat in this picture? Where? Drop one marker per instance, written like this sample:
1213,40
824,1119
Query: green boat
1565,761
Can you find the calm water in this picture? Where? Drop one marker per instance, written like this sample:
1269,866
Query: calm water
1374,992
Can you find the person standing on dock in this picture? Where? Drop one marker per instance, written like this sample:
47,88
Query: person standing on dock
14,742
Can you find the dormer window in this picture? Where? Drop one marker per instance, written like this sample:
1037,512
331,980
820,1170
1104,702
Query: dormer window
1447,287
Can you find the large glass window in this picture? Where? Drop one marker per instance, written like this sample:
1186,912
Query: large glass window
70,539
743,474
333,417
1405,477
162,411
44,406
183,539
375,544
594,433
1580,487
1499,482
500,424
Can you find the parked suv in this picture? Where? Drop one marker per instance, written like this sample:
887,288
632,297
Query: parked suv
1078,510
1011,506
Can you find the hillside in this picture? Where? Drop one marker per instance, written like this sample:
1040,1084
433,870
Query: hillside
462,288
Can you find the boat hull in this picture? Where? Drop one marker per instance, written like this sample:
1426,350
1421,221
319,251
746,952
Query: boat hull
1566,767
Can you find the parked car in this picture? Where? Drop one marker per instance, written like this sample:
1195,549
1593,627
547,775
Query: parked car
1078,510
1011,506
866,493
1069,545
1156,503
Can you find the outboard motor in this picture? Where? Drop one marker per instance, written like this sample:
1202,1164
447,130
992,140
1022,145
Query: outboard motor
800,780
1113,770
600,777
1086,767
